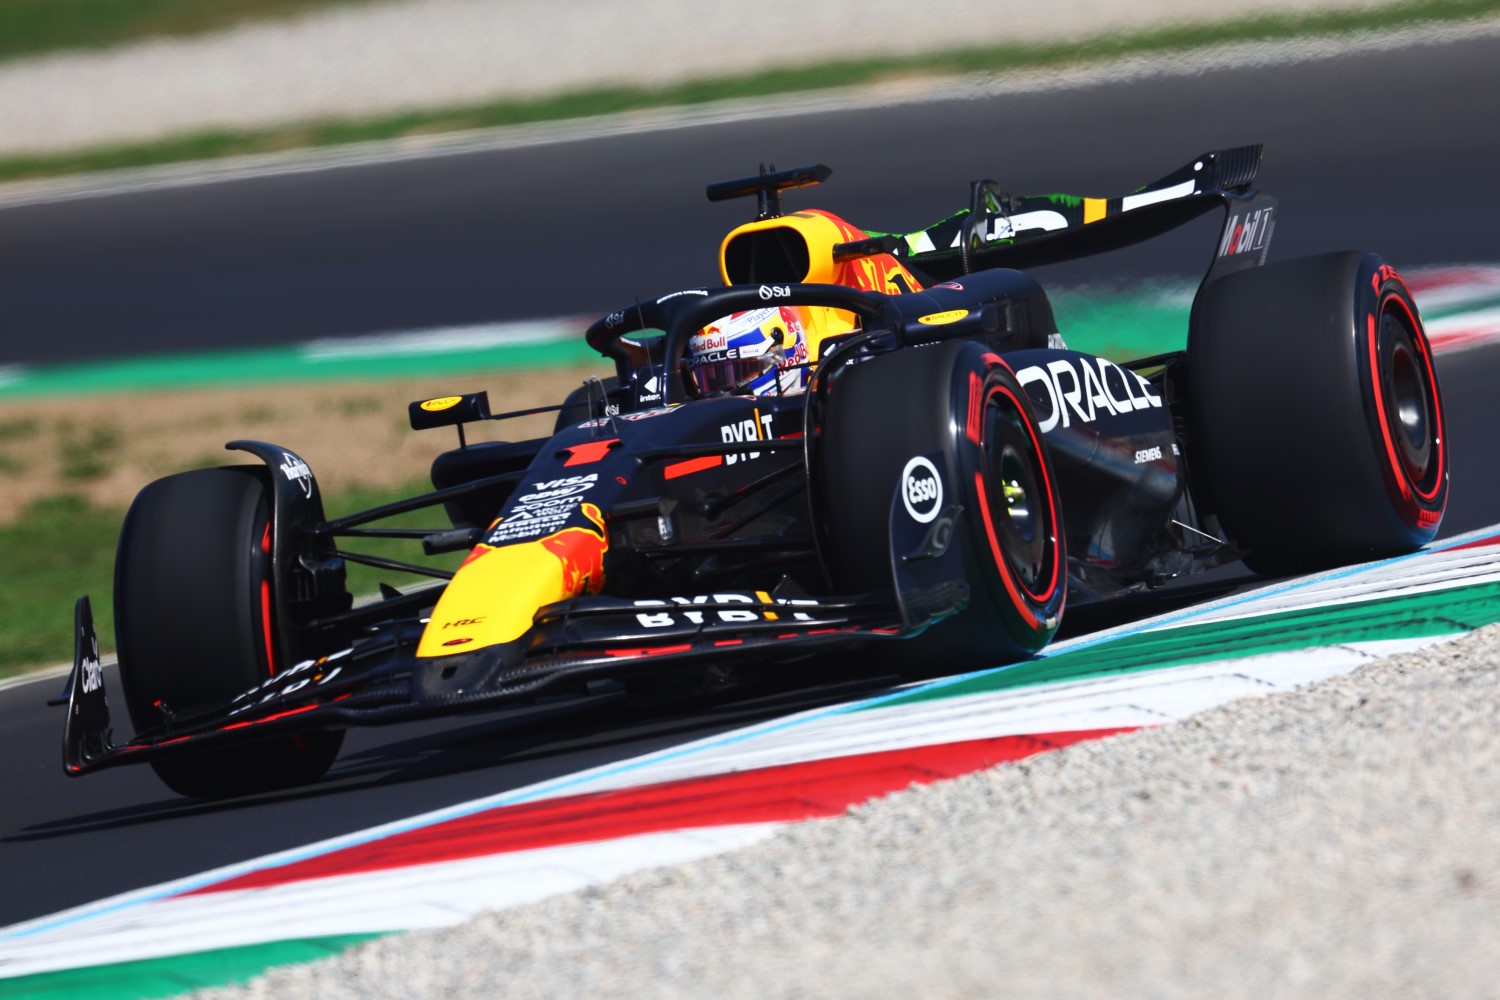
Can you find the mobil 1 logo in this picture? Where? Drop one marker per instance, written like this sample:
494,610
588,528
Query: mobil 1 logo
921,489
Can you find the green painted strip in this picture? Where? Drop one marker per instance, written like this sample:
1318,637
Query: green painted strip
1459,308
1122,328
280,365
1093,320
1403,617
163,977
1115,328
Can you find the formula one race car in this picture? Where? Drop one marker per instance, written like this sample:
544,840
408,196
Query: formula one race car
862,443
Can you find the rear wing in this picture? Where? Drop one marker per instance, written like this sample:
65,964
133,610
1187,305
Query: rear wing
1001,230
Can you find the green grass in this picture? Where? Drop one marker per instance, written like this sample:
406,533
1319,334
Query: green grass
63,546
17,428
837,73
88,454
58,549
32,27
367,580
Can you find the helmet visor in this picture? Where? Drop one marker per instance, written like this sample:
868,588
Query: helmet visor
714,373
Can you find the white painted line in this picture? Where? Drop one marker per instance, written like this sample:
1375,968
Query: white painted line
445,339
442,894
1464,330
1132,700
1439,288
1259,56
66,920
1436,572
53,674
421,896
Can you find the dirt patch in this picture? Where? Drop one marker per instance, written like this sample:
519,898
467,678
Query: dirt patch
352,434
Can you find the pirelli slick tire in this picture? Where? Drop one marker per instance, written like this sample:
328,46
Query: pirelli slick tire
193,624
1317,430
961,404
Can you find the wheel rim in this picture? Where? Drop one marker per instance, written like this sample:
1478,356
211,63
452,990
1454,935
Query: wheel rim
1409,415
1012,472
1408,408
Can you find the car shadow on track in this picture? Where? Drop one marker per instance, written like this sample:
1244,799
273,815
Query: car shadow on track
527,745
614,732
520,747
1090,618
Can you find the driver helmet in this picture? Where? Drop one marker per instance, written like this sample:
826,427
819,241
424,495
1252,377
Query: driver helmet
755,352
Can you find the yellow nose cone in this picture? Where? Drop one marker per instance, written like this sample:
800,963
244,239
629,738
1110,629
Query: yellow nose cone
495,594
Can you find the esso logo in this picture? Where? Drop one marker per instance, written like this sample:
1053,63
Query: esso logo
921,490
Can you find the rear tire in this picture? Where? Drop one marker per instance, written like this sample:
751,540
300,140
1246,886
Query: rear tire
192,602
1317,425
961,402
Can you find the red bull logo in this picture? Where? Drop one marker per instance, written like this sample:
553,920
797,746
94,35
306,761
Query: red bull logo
879,273
495,594
581,552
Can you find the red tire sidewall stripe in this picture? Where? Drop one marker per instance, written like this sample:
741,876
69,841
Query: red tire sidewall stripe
1409,491
1439,438
1021,597
265,602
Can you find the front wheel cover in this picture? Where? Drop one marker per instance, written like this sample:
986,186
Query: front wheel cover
958,406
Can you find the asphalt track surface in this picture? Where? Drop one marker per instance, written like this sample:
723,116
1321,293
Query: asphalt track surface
1389,152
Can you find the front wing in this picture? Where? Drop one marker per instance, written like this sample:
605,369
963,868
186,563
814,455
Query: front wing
380,680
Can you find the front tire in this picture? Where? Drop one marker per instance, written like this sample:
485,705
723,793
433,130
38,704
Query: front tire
1317,422
194,625
961,403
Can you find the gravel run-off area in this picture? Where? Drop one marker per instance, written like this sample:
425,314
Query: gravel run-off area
1339,841
398,55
